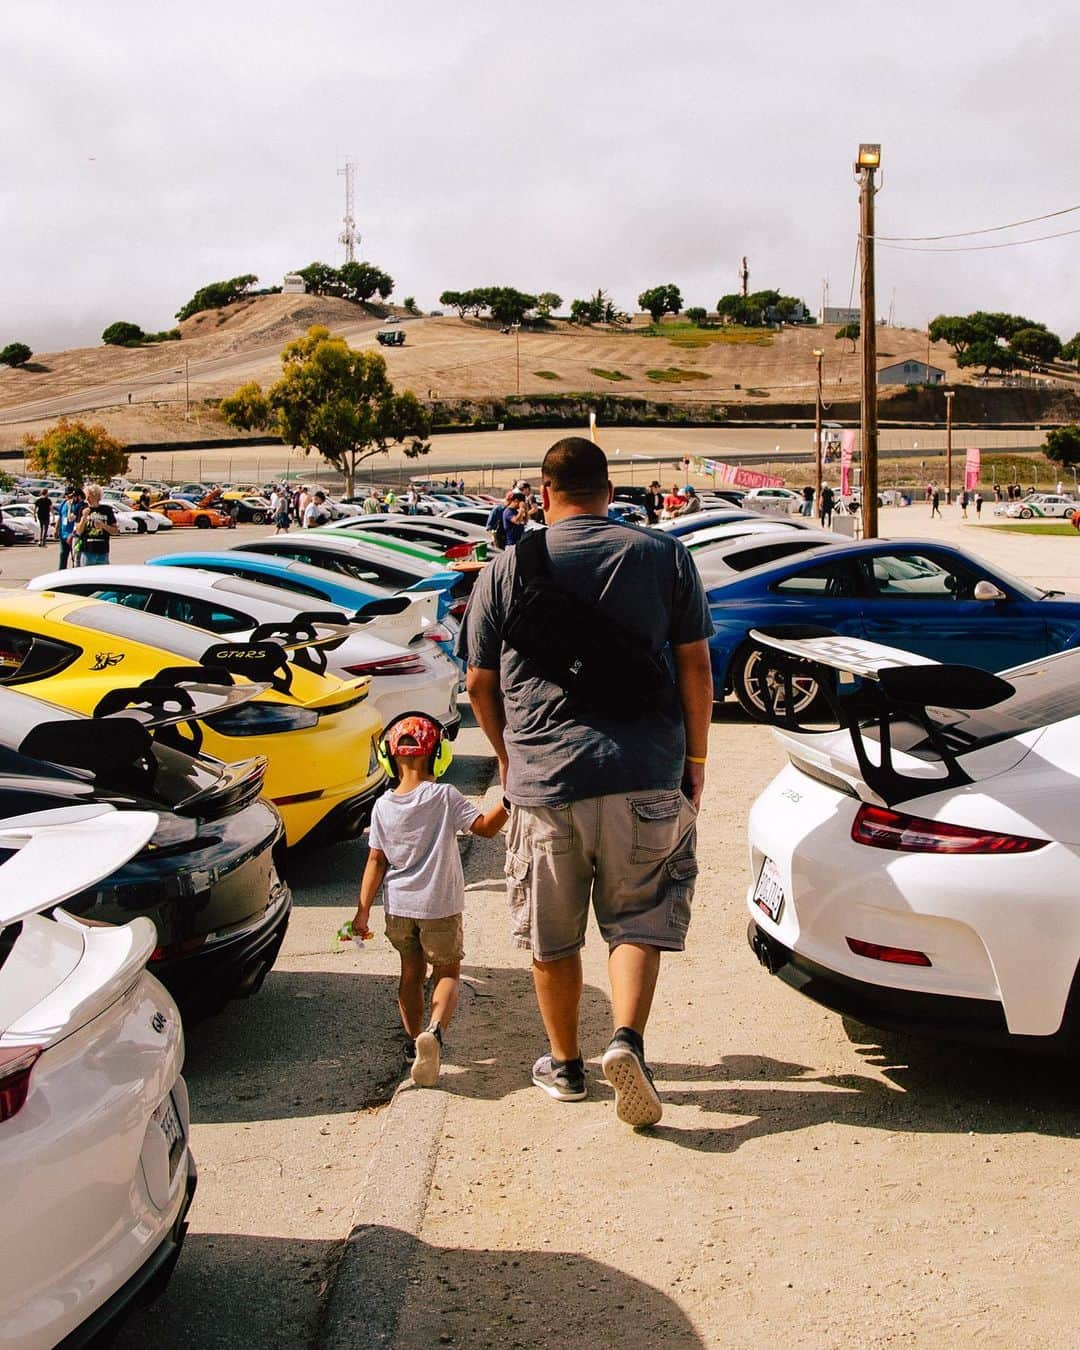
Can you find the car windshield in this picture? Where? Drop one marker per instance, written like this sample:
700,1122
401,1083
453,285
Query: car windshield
1045,692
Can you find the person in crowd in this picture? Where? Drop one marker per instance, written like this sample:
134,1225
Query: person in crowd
303,503
935,502
807,508
315,513
495,525
691,503
964,504
279,510
978,504
43,511
604,808
144,500
413,855
71,508
372,505
654,502
410,499
94,528
515,518
826,507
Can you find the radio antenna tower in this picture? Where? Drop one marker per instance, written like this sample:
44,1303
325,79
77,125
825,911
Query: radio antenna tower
348,235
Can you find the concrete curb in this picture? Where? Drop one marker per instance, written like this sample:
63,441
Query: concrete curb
367,1288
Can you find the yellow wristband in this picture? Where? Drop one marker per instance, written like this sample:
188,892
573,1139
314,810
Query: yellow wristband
695,759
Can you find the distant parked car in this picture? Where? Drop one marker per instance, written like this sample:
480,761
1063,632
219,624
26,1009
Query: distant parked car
249,510
201,517
1041,505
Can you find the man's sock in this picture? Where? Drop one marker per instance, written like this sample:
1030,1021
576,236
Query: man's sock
632,1038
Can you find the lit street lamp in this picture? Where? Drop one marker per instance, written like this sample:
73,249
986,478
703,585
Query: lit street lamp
868,162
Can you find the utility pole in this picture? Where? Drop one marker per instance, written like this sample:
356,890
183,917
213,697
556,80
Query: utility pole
949,396
865,166
348,235
744,277
818,353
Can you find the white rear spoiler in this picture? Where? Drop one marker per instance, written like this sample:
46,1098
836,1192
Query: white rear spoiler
62,852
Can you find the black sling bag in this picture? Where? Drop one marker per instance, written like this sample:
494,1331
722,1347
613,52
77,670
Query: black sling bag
602,667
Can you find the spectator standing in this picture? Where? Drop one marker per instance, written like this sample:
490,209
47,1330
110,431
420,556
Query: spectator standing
964,504
515,517
654,502
604,808
372,505
978,505
413,849
495,525
315,513
71,508
935,503
691,503
43,512
94,528
826,507
807,508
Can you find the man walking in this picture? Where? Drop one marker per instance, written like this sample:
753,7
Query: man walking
43,511
603,806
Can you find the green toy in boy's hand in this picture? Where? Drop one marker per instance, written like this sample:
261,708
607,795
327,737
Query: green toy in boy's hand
347,933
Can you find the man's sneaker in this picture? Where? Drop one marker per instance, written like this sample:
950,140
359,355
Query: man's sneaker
425,1069
564,1081
636,1101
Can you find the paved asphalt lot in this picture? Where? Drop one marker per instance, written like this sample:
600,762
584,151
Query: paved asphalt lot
813,1182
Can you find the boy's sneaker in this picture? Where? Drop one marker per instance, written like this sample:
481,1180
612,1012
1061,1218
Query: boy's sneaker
425,1069
565,1080
408,1051
636,1100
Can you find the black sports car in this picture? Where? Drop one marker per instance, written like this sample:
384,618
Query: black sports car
211,877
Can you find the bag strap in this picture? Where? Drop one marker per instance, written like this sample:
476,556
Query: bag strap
531,557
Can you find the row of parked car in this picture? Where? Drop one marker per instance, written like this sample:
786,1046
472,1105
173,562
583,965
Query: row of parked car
168,732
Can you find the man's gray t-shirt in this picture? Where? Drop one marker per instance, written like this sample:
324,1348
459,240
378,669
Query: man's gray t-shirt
418,832
645,581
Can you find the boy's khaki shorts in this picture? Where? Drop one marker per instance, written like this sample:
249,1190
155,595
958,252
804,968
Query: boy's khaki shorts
441,941
631,854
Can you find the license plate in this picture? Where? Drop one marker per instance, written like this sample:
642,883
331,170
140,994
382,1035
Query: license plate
168,1118
769,891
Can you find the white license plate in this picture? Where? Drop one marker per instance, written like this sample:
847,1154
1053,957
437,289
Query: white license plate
168,1118
769,891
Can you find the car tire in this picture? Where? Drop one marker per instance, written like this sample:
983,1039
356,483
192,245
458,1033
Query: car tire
746,675
202,522
258,517
1026,513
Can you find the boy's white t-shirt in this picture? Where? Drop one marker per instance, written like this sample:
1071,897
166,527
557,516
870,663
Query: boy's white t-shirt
418,831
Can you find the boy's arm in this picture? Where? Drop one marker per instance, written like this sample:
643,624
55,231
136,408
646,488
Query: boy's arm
490,822
372,879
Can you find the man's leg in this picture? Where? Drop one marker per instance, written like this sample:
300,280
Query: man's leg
558,993
632,969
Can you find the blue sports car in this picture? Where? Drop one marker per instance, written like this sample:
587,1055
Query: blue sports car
928,598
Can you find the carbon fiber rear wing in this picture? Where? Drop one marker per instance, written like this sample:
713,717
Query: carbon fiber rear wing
868,688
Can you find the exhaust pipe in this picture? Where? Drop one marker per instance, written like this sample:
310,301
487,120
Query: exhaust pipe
767,950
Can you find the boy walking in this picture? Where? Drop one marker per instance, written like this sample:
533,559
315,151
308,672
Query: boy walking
414,850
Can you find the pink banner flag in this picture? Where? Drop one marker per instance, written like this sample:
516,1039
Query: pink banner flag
736,476
972,468
847,449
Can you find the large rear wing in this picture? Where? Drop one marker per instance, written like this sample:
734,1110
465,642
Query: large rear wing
869,688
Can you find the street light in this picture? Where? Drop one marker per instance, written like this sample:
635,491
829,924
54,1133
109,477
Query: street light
819,354
143,458
950,394
866,165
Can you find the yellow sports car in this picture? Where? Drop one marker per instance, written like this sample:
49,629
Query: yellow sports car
317,732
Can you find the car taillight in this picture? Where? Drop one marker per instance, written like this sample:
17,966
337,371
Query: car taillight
457,608
897,956
438,633
880,828
15,1066
389,665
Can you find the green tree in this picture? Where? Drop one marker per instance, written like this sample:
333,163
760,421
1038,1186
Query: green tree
697,314
247,408
955,329
547,302
76,452
661,300
598,308
1070,351
848,332
15,354
410,305
320,278
217,294
361,280
789,307
456,300
121,334
6,481
1035,344
989,354
340,402
508,305
1063,444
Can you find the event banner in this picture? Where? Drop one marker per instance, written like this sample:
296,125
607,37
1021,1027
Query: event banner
847,450
736,476
972,468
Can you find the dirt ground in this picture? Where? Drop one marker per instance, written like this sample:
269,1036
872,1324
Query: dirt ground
813,1183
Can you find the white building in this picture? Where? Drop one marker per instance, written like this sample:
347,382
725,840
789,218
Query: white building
910,372
293,284
841,316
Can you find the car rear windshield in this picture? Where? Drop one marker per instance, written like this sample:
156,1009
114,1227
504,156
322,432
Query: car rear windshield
1045,692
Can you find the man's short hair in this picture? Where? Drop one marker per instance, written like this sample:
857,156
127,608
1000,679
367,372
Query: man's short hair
575,467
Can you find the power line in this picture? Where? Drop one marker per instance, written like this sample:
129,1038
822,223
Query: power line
963,234
979,248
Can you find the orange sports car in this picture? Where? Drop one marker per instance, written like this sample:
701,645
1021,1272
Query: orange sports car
202,517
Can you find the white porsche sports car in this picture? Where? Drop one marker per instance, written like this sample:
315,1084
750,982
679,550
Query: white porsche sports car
94,1164
917,862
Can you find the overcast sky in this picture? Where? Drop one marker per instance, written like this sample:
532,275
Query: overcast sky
564,146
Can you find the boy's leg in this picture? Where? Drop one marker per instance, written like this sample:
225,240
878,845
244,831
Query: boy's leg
411,992
446,985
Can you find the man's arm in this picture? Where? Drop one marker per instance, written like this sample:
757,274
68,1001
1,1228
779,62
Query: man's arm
485,695
693,678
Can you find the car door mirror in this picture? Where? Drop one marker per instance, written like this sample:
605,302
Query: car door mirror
986,590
